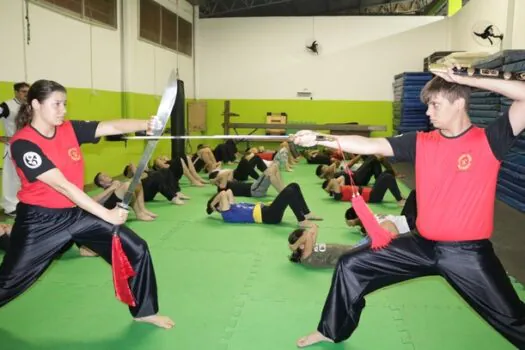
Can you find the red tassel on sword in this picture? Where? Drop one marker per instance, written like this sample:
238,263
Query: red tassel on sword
379,236
122,272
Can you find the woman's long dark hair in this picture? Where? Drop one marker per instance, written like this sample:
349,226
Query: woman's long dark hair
298,253
40,90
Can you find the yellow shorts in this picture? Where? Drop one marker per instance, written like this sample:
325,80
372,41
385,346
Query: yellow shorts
257,213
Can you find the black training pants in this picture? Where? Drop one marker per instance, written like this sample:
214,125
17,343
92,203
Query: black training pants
384,182
471,268
40,235
291,196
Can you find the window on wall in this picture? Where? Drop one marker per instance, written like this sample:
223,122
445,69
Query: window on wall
163,27
95,11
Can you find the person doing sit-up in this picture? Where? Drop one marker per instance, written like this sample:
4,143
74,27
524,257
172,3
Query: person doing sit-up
156,181
291,196
308,252
375,194
114,192
271,176
163,162
404,223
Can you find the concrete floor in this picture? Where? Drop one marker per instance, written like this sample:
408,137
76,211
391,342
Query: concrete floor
509,233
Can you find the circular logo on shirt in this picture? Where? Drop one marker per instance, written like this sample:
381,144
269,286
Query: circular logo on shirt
32,160
74,154
464,161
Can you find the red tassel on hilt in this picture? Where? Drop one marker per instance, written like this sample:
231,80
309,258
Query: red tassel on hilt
122,272
379,236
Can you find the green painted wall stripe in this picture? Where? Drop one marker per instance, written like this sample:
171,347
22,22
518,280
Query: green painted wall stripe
111,157
454,6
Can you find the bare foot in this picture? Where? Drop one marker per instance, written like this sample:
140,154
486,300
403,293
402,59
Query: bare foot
306,224
87,252
311,339
402,202
157,320
182,196
153,215
313,217
177,201
144,217
198,184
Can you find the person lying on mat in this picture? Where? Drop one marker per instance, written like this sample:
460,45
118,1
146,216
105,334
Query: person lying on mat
271,176
247,167
308,252
291,196
386,181
114,192
156,181
163,162
204,159
319,157
361,176
284,157
404,223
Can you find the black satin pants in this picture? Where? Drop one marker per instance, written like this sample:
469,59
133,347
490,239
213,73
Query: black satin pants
41,235
472,269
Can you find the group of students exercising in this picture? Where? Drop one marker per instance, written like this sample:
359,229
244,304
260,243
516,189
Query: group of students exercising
451,238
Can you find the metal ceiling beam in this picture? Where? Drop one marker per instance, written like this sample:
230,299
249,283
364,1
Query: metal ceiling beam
405,7
221,7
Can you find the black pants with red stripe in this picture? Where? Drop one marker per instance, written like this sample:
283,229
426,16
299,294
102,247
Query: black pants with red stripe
40,235
471,268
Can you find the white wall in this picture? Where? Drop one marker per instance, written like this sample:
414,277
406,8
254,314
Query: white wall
148,66
265,58
473,13
80,55
518,25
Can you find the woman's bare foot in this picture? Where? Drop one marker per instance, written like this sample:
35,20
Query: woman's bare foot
87,252
313,217
311,339
157,320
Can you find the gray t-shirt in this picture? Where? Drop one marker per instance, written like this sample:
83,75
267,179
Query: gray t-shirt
325,255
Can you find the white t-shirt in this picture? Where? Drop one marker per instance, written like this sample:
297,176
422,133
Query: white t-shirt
399,221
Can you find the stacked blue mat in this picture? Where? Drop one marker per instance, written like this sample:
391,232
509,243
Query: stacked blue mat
409,111
487,106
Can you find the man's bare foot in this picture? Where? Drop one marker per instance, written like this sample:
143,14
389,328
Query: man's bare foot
198,184
87,252
313,217
157,320
311,339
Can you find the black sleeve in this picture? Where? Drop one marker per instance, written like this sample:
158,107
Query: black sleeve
85,131
30,159
4,110
500,136
404,147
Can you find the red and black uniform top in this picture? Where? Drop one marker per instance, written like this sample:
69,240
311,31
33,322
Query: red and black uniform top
34,154
456,178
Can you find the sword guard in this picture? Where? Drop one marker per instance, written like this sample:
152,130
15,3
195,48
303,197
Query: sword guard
123,206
